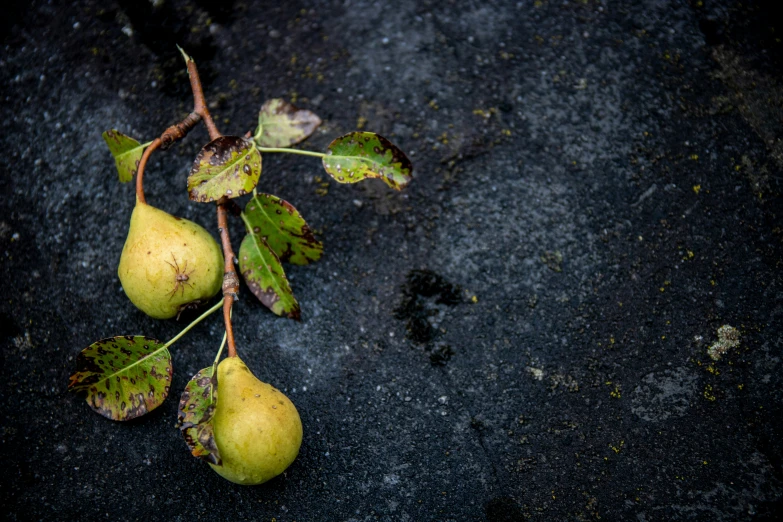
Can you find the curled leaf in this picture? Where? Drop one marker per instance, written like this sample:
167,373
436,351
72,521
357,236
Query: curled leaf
281,124
283,229
126,151
227,166
124,377
194,418
266,278
360,155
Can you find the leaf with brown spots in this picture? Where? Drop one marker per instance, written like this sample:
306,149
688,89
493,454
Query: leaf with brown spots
227,166
283,229
194,418
265,277
281,124
124,377
126,151
360,155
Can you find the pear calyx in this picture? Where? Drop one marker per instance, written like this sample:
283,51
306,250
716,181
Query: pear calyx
168,263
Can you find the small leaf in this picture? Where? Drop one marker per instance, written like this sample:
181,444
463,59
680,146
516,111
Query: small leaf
227,166
124,377
196,409
265,277
127,153
283,229
281,124
361,155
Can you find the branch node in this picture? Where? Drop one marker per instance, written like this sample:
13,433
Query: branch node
179,130
230,284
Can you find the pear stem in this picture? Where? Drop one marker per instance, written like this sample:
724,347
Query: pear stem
230,279
140,174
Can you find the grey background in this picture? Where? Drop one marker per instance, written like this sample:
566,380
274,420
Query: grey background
598,184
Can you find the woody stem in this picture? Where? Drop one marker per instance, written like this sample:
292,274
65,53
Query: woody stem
142,164
199,103
230,278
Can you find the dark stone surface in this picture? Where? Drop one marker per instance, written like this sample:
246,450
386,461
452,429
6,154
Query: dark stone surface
597,189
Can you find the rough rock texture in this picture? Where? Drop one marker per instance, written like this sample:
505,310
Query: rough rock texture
522,333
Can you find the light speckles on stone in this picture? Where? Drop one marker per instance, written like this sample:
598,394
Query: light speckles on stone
728,338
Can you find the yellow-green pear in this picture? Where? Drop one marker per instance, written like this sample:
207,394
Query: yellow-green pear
168,263
256,428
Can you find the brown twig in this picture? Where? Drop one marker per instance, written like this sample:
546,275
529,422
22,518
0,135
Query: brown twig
169,136
230,278
179,130
199,102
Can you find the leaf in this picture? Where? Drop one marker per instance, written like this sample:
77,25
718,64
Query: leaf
281,124
194,418
227,166
265,277
361,155
283,229
124,377
126,151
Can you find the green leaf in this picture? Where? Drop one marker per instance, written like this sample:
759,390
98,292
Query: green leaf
283,229
281,124
227,166
196,409
127,153
265,277
361,155
124,377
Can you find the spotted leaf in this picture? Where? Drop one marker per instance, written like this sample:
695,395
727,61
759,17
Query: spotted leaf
196,409
281,124
361,155
265,277
227,166
124,377
283,228
127,153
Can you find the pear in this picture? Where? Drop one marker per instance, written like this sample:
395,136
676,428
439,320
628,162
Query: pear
168,263
256,428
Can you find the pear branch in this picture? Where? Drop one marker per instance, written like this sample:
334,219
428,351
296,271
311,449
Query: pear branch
199,102
230,278
176,132
179,130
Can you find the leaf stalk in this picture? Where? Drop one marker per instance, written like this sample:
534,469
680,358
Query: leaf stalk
194,323
291,151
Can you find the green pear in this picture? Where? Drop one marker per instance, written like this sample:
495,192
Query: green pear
168,263
256,428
